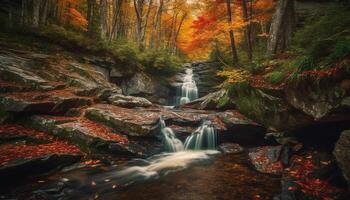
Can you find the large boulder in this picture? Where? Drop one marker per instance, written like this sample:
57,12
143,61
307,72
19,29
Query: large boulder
153,88
91,137
205,76
132,122
128,101
139,84
325,98
47,103
342,154
266,159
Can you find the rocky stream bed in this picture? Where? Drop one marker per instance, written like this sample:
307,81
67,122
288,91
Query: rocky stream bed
69,127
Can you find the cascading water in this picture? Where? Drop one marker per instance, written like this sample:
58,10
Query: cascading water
205,137
171,143
188,90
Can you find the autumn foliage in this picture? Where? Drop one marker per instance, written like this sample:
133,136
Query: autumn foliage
47,145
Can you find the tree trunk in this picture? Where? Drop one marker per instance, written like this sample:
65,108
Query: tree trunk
36,13
156,24
177,33
232,37
282,27
248,30
146,21
44,12
138,5
116,20
103,19
93,18
10,16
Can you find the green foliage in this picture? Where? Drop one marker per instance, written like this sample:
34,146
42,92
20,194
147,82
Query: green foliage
341,50
160,62
223,101
246,99
333,23
124,52
274,77
323,40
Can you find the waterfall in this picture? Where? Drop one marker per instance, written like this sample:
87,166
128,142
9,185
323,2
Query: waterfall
171,143
205,137
187,91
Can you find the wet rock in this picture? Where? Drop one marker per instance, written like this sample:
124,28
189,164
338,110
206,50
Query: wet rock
11,73
128,121
107,92
239,129
205,76
324,97
266,159
139,85
342,154
41,103
90,137
230,148
128,101
32,167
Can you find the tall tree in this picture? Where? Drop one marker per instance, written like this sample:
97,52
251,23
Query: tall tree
248,29
139,7
36,13
232,37
103,19
282,27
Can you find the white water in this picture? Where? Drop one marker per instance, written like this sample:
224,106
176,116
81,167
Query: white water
171,143
188,90
205,137
162,164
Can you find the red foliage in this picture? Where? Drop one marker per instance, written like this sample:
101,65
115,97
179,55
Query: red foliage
301,169
259,81
317,74
17,130
9,152
219,123
102,131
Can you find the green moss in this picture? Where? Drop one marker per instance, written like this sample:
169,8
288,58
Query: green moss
274,77
223,102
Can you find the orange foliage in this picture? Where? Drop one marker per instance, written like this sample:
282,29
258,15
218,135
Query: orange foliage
75,19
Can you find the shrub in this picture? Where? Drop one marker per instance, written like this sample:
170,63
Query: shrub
223,101
274,77
160,62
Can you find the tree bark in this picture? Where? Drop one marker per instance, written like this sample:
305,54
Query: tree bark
146,20
248,30
178,32
36,13
103,19
44,12
138,5
157,24
232,37
282,27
